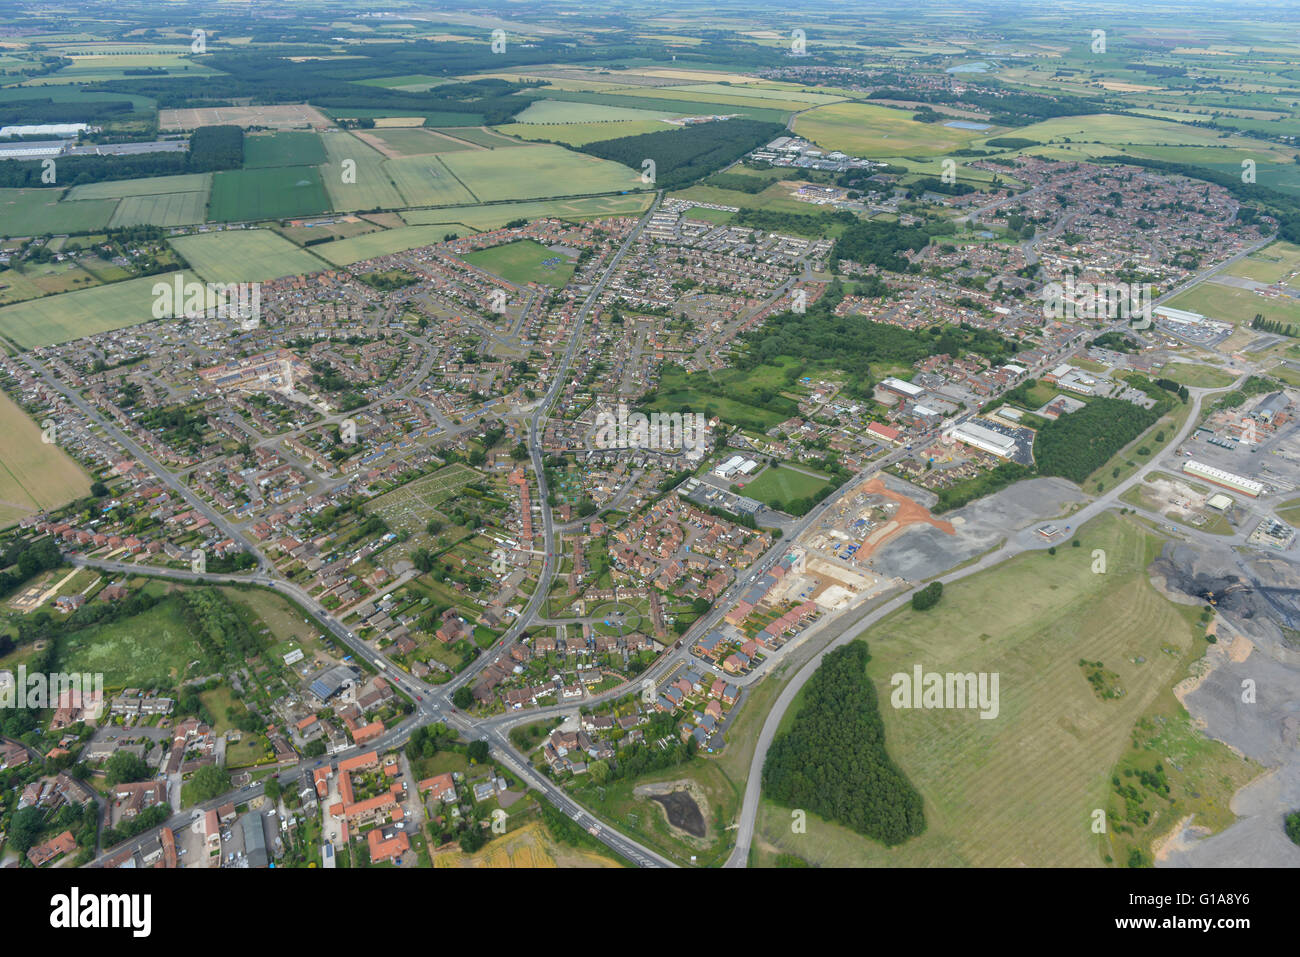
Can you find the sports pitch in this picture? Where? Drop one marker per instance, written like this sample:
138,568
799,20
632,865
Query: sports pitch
523,262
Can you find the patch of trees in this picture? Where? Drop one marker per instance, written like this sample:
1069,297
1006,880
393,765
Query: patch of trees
22,559
1012,142
738,183
1273,326
935,185
684,155
37,111
833,760
927,597
1076,445
870,243
219,630
986,483
144,821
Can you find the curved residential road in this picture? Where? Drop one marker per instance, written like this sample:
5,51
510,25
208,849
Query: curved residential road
550,556
1022,541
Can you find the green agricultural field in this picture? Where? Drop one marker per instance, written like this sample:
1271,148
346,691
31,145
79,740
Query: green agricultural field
478,218
523,262
777,487
34,475
555,112
245,255
427,181
260,194
479,137
153,649
709,91
371,187
38,212
149,186
417,141
168,209
86,312
1116,130
33,280
1020,789
345,252
862,129
580,134
537,172
294,148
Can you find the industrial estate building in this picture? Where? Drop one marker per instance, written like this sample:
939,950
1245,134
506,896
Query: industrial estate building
1226,479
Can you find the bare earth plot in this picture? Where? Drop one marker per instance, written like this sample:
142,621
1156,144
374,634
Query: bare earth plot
292,117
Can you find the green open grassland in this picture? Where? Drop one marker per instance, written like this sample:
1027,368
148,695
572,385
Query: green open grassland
480,218
371,189
345,252
555,112
153,648
479,136
38,212
156,201
294,148
1273,263
167,209
150,186
54,319
1020,789
580,134
260,194
245,255
522,262
34,475
777,487
427,181
536,172
416,141
862,129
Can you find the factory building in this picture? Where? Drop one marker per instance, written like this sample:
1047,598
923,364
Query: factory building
1223,478
986,440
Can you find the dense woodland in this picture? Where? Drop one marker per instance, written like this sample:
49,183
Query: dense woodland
833,761
684,155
